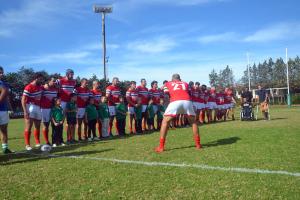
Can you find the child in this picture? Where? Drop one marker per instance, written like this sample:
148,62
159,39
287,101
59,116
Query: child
160,113
57,121
103,114
138,116
91,116
71,111
151,114
121,116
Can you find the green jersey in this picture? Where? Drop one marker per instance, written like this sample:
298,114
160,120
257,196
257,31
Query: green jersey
138,112
57,114
121,111
91,112
71,110
150,111
161,111
103,111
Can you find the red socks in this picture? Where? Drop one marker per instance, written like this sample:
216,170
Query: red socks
45,133
27,137
162,143
197,141
36,136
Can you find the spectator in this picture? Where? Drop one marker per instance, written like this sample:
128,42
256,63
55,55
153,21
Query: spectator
263,99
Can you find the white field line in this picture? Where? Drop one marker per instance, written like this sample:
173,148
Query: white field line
183,165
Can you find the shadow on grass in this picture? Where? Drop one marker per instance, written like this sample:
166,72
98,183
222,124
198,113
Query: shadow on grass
224,141
36,155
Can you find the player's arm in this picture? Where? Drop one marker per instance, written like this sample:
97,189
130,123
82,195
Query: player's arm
23,102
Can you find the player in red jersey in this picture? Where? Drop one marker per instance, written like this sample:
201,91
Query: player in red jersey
229,102
66,87
220,103
206,96
202,103
155,95
50,91
31,101
211,105
131,97
113,93
144,95
97,94
180,103
83,94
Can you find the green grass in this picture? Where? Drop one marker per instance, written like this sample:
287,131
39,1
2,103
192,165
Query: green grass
271,145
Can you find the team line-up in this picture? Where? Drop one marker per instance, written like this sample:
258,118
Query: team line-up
175,104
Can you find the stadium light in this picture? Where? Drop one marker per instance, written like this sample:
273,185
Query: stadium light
103,9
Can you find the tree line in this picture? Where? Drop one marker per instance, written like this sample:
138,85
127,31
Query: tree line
269,74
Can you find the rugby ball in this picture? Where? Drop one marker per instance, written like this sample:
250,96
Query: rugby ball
46,148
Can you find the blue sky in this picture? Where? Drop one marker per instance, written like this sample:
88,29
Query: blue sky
149,39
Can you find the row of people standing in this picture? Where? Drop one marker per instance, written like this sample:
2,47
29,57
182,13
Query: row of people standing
60,99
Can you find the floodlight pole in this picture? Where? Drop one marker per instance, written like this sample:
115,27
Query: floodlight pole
103,10
104,46
248,68
287,78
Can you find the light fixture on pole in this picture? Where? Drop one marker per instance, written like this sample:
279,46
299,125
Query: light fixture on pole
103,9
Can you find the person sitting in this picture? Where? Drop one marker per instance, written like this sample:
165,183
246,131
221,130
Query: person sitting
246,96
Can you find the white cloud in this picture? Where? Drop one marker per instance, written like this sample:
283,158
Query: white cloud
223,37
281,31
156,45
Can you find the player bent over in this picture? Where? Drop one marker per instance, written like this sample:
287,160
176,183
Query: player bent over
180,103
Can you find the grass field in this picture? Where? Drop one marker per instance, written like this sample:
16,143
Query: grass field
81,171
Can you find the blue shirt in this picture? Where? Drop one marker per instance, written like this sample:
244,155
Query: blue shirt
4,103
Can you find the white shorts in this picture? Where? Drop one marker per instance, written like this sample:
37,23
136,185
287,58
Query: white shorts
45,115
4,118
180,107
34,111
112,110
131,110
80,113
221,107
144,108
63,105
211,105
155,109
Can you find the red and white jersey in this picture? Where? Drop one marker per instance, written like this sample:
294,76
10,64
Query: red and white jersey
206,96
143,94
97,94
83,95
220,98
178,90
113,93
155,95
228,95
194,93
201,97
211,96
66,88
47,97
132,95
33,94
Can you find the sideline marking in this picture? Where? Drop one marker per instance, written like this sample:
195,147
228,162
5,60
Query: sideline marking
183,165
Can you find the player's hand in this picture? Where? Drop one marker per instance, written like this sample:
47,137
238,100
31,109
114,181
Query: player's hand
26,115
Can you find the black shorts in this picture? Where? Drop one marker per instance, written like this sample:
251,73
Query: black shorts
150,121
71,120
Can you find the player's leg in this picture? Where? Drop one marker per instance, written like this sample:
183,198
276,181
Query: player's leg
195,128
37,126
79,124
163,133
4,139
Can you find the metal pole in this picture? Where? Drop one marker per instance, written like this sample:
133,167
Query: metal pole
287,78
248,68
104,45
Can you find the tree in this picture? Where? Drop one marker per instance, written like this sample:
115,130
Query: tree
213,78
